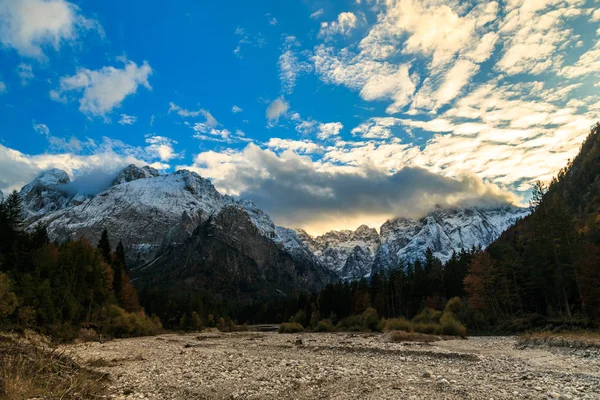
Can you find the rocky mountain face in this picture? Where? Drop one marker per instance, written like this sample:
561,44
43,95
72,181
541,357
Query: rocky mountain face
178,227
155,214
356,254
349,254
229,255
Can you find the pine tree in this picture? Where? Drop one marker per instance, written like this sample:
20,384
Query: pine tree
120,256
104,246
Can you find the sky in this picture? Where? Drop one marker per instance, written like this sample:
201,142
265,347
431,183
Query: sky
327,114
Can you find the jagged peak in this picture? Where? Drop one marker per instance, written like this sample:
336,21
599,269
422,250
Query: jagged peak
48,178
132,172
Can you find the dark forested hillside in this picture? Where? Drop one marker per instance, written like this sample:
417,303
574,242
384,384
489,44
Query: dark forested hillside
548,264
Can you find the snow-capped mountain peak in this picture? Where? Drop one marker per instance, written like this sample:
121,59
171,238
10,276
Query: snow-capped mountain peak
132,172
354,254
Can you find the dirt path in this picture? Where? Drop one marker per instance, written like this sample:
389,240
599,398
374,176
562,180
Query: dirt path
337,366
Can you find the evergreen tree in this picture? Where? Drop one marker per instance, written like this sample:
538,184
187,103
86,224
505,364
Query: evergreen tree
104,246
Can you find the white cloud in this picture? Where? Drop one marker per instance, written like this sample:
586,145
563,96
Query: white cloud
306,127
276,110
532,32
209,124
235,109
109,156
2,87
344,25
31,25
324,197
376,80
457,77
127,119
42,129
104,89
588,63
290,67
25,72
376,128
299,146
161,147
329,130
317,14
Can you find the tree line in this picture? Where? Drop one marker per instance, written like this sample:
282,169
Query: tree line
63,288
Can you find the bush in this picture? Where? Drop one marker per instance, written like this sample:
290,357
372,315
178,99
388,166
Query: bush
366,322
427,316
370,319
427,328
290,327
315,317
120,323
300,318
324,326
453,306
196,322
353,323
451,326
397,324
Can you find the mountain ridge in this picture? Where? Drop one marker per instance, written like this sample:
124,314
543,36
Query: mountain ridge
152,212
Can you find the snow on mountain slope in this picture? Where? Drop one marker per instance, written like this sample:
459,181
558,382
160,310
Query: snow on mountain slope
42,196
356,254
141,212
132,173
349,254
443,231
144,209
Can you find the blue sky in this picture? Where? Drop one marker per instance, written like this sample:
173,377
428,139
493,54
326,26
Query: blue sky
328,114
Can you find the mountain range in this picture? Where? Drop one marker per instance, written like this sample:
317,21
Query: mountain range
177,228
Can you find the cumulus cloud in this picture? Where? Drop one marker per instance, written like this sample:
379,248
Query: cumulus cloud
100,91
344,25
276,109
235,109
329,130
2,87
127,119
29,26
161,147
322,198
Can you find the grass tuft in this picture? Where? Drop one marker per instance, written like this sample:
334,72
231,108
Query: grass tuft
27,371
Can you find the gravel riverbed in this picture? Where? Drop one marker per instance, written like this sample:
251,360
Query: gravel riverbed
254,365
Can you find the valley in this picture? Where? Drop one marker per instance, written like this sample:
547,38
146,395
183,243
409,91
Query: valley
253,365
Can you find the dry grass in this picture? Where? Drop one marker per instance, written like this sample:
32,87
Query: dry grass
28,371
575,339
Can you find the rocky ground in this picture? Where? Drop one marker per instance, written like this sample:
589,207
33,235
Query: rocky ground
338,366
